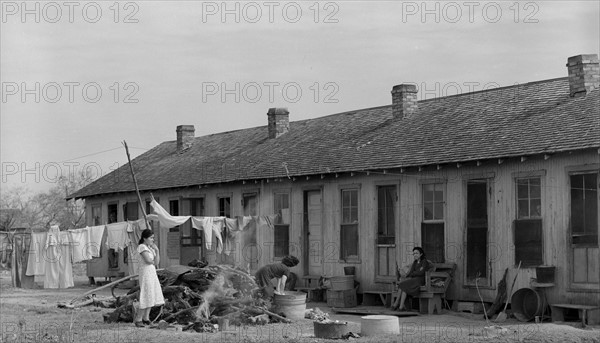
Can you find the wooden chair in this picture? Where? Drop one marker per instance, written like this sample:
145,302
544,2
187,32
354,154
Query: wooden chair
431,294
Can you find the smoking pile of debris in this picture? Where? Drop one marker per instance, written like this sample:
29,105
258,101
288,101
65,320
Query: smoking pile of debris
197,299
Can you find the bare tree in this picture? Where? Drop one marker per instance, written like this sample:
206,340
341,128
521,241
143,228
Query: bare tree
46,208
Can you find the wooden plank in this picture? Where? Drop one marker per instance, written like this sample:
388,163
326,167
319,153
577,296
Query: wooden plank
575,306
593,266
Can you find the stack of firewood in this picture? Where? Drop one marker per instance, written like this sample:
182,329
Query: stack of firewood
197,298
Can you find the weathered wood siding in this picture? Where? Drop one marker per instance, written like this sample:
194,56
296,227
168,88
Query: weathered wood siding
502,212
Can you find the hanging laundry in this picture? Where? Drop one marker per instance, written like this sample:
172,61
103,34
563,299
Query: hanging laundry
5,250
51,257
166,220
229,234
96,233
59,270
65,276
20,256
246,220
204,224
80,240
266,222
36,265
116,236
210,226
217,228
135,233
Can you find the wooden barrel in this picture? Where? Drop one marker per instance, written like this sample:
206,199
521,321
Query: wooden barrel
292,304
379,325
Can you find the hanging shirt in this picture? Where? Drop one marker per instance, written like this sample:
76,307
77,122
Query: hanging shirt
205,225
210,226
116,236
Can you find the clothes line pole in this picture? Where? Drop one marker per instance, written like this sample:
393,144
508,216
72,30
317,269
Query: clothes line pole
137,190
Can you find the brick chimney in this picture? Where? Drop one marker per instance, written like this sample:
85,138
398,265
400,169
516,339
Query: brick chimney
278,122
584,74
185,137
404,100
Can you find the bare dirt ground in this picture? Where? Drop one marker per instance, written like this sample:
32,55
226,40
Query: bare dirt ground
32,315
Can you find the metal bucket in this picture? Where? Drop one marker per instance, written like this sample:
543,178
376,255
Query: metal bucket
292,304
526,304
379,325
330,330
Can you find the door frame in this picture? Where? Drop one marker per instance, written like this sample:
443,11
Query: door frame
305,224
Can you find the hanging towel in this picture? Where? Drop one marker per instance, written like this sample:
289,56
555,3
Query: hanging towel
36,265
80,240
166,220
96,233
116,235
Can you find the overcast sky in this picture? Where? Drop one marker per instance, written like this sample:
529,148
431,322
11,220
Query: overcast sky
218,67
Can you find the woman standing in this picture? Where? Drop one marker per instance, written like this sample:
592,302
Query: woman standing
416,278
150,289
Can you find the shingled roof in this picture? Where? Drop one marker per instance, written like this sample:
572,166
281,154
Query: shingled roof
522,120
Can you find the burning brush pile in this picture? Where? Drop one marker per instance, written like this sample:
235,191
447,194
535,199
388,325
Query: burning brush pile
198,298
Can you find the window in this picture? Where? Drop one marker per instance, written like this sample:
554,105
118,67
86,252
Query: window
349,225
96,214
433,201
189,235
584,230
112,213
174,211
529,202
432,227
225,207
130,210
386,216
528,225
282,224
584,209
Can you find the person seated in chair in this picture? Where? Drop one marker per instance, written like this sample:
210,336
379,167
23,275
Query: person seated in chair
415,278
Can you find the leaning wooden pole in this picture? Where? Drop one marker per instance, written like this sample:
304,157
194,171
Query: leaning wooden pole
137,190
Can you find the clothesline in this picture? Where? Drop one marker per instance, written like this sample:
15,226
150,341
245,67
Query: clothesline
53,252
